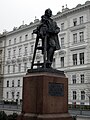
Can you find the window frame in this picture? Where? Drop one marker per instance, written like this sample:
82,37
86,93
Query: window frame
75,38
74,95
62,61
74,59
81,58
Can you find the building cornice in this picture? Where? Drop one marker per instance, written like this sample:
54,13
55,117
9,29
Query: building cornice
70,11
55,17
23,28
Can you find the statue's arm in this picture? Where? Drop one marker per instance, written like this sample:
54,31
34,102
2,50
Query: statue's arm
57,29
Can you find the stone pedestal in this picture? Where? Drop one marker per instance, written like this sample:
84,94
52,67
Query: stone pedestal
45,96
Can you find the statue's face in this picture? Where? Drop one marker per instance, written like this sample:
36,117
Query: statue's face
48,13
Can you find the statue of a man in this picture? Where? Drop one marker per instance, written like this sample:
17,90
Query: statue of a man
49,28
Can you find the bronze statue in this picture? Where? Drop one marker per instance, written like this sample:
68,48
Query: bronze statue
48,30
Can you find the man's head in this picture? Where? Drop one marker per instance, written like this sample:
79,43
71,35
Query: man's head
48,12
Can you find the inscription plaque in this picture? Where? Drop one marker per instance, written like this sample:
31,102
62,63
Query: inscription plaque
56,89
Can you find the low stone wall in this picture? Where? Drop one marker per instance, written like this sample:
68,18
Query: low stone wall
82,117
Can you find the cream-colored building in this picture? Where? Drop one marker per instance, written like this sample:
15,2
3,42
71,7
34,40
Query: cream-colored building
73,57
2,44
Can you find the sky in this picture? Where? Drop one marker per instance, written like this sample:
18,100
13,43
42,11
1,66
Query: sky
14,12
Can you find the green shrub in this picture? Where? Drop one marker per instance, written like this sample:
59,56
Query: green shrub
3,115
13,116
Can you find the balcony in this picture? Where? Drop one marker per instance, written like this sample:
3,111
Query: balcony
78,27
25,58
19,59
14,60
8,61
78,46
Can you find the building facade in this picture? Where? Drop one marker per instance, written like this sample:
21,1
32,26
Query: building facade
73,57
2,44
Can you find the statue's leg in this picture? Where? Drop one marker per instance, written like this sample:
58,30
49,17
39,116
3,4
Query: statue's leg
50,51
50,54
51,58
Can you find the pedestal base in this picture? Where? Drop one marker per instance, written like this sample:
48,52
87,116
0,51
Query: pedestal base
29,116
45,96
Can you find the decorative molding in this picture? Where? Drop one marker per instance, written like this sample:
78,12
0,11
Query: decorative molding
70,11
19,46
62,34
78,47
26,44
14,47
62,52
78,27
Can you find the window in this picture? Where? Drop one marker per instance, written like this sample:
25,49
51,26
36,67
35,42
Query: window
13,68
26,37
82,95
19,51
74,79
25,50
14,40
7,83
14,52
8,68
19,67
18,83
82,103
25,67
62,61
12,83
20,39
18,95
81,19
74,95
82,78
75,22
13,95
9,54
74,59
62,26
7,94
81,35
81,57
75,38
32,46
9,42
62,42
